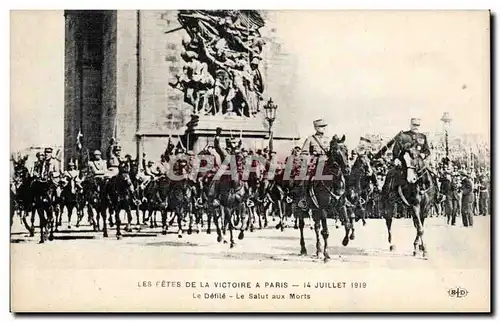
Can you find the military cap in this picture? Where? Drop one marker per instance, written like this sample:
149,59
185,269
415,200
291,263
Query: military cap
97,152
71,162
319,123
415,121
48,150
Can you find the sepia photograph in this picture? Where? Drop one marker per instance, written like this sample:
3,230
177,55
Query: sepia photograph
250,161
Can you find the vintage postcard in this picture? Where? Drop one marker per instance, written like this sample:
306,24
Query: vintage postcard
250,161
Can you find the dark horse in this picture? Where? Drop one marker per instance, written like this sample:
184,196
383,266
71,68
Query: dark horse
45,195
327,195
94,195
21,194
361,183
121,196
415,187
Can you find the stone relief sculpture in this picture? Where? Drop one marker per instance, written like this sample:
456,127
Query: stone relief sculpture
221,55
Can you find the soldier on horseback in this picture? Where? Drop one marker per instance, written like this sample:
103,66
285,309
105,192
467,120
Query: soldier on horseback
72,174
403,142
50,166
97,166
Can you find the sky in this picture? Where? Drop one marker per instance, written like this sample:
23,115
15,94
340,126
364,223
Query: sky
363,72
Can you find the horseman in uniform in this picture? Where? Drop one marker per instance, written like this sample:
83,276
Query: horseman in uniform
73,174
114,160
36,170
403,141
97,166
50,166
318,143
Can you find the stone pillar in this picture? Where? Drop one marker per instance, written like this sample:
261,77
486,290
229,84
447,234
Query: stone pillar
108,100
72,81
126,119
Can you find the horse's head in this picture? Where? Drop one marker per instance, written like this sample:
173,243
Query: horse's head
339,153
413,162
363,165
124,167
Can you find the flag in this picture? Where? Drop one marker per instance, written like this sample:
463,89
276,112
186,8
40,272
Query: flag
78,140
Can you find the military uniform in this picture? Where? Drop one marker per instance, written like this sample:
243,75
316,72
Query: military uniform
97,168
316,144
406,139
483,194
50,169
467,200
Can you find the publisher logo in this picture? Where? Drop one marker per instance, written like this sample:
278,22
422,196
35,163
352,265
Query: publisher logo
458,292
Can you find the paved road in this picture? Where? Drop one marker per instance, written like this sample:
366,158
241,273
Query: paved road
457,247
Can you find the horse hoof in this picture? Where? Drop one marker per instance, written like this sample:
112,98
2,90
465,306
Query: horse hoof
424,255
151,226
326,259
311,228
105,235
295,227
118,237
345,241
231,245
219,239
241,235
392,248
303,252
352,237
163,232
197,231
209,231
225,242
69,226
251,229
78,225
56,230
414,253
51,238
41,242
421,248
190,231
32,234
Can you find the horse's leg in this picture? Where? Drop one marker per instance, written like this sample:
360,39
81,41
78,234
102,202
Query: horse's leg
164,225
101,211
180,218
229,214
137,216
118,222
190,224
209,220
50,222
90,212
281,224
324,233
348,226
419,225
129,218
32,220
317,226
303,249
70,208
218,223
388,216
240,211
42,223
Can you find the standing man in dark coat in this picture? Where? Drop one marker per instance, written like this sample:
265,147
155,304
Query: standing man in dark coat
467,199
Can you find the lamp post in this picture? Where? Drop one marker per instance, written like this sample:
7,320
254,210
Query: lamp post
270,109
446,119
